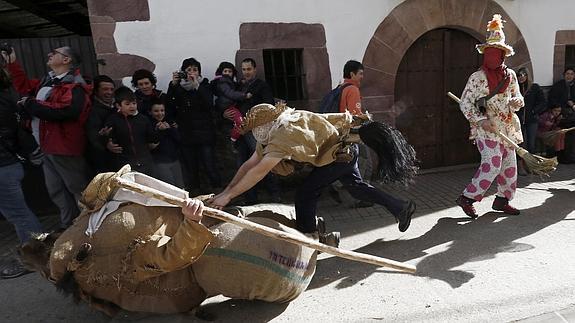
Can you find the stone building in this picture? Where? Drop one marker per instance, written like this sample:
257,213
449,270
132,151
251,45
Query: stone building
414,51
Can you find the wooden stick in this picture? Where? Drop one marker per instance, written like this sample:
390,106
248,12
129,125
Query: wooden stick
273,233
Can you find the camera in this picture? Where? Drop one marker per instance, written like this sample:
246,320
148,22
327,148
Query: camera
183,75
6,47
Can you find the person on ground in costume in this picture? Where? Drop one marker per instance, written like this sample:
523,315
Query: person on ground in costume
487,119
125,252
325,141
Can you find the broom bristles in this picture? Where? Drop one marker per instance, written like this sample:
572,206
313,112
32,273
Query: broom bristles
397,160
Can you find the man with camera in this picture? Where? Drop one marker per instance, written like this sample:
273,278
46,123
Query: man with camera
59,105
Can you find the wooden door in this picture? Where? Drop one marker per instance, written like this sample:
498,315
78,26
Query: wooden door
439,61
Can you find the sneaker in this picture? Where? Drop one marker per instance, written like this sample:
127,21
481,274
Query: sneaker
330,239
404,218
502,204
467,205
13,269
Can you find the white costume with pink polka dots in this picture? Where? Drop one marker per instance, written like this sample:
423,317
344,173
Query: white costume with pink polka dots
498,160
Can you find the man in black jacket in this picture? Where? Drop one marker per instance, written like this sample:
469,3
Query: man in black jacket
246,144
102,107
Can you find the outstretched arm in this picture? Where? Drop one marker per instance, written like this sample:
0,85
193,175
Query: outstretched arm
249,174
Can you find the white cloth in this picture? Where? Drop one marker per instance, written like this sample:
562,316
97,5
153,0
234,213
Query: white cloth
123,196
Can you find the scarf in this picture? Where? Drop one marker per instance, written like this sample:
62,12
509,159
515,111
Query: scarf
494,69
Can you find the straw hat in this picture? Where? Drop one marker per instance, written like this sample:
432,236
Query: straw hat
100,189
260,115
496,37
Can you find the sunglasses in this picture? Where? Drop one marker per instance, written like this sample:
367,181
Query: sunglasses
55,51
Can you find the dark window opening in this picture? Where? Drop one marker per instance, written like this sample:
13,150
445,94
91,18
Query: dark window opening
570,56
284,73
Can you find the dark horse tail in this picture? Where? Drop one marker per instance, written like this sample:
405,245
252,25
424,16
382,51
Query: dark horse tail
397,160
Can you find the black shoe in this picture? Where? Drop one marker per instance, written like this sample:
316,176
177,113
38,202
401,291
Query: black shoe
404,217
13,269
331,239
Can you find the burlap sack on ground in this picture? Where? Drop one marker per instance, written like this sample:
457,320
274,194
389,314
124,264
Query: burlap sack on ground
106,273
246,265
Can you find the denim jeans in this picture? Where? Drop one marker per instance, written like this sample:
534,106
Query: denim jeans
529,135
12,203
348,174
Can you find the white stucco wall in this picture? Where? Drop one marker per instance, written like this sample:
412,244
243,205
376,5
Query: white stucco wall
209,30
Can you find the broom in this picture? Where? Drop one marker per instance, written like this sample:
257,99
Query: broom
550,137
261,229
536,164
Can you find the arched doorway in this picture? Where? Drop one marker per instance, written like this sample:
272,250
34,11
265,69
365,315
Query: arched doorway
440,60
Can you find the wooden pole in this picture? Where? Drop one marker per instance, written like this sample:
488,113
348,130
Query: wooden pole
273,233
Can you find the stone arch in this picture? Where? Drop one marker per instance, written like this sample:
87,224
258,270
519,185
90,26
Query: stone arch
410,20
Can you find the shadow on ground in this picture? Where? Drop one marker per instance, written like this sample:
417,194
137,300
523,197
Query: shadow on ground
466,241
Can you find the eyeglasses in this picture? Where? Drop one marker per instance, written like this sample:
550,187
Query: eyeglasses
55,51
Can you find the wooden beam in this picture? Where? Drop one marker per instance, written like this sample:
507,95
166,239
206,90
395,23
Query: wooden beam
74,25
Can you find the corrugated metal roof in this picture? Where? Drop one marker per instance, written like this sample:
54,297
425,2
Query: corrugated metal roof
43,18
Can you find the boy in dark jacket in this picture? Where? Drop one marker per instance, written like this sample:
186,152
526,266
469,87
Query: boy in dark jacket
132,135
167,153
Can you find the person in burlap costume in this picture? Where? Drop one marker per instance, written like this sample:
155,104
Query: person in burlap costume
136,258
489,117
325,141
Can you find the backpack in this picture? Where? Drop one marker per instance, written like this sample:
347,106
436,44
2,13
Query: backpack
330,102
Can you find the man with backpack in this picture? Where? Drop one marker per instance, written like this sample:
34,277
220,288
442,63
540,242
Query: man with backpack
346,97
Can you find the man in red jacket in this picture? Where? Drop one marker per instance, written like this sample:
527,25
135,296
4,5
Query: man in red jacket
59,104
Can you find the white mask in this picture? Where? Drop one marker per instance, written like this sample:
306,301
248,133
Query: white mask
262,133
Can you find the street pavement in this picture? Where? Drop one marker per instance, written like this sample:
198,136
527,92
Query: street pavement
496,268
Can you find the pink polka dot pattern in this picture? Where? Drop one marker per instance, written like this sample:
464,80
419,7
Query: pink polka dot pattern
480,145
510,172
471,188
477,173
507,194
478,198
484,184
485,167
491,143
513,185
504,153
496,161
501,180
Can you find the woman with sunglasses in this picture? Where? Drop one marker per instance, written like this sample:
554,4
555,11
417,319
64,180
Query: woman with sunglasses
535,104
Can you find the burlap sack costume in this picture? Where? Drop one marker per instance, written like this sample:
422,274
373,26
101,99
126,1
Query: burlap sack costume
139,258
246,265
